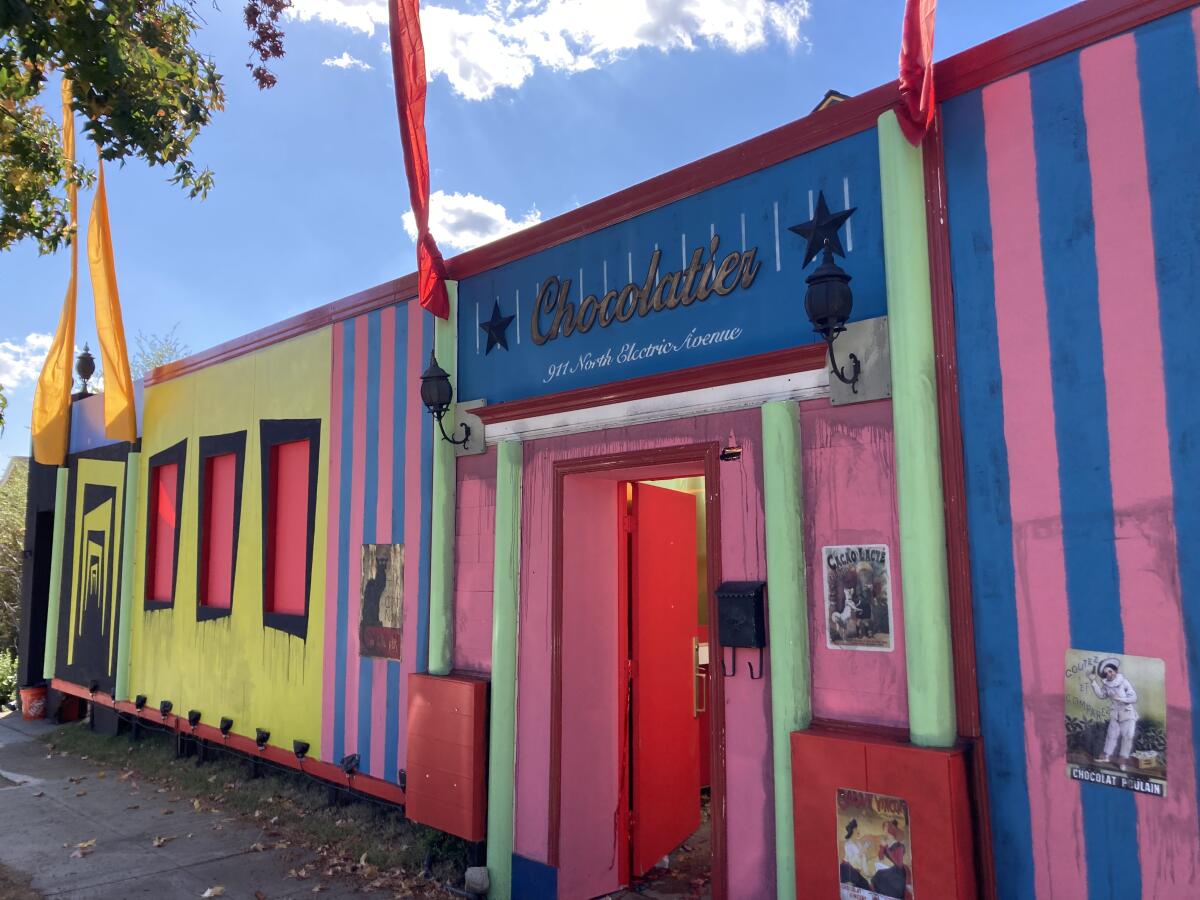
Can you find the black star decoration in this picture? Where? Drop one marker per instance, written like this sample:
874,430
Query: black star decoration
822,228
495,328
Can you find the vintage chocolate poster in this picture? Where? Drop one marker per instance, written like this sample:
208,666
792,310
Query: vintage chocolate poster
858,597
874,846
1116,721
382,602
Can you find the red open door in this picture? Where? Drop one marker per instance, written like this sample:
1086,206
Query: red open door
666,759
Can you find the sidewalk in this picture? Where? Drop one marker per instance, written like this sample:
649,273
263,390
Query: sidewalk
48,806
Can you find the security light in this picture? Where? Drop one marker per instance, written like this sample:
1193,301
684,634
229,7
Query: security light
261,736
226,726
193,718
300,748
164,708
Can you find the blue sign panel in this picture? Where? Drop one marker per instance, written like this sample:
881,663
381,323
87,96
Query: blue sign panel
708,278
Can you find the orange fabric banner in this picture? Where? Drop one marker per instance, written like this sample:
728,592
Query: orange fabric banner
52,397
120,415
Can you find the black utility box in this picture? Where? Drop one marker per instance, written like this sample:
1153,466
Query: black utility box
741,614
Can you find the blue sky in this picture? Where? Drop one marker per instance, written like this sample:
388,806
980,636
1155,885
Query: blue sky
534,107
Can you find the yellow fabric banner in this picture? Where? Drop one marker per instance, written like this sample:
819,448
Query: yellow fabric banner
120,416
52,397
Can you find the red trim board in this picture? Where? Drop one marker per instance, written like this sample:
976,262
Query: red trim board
326,771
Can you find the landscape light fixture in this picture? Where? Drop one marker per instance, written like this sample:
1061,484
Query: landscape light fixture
829,299
350,764
226,726
193,718
139,702
261,736
300,748
93,687
164,708
437,394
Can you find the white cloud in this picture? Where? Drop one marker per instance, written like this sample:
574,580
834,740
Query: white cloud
500,46
346,61
463,221
21,361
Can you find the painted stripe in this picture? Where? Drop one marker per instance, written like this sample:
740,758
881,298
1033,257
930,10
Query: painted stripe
1081,427
368,738
331,701
1024,348
412,512
387,672
989,513
1171,109
425,455
502,719
920,506
791,663
1146,547
395,687
344,478
353,529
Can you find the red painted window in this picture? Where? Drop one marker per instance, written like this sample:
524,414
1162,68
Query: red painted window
287,528
164,520
216,548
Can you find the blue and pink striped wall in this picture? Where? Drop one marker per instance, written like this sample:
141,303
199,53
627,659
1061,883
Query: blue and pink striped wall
1074,212
380,489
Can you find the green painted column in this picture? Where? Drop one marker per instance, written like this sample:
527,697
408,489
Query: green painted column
441,569
125,615
928,650
54,600
787,614
506,585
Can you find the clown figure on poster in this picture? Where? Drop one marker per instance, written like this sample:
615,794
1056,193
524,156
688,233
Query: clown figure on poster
1122,722
1116,721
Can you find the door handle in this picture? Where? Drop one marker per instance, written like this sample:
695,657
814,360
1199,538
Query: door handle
699,682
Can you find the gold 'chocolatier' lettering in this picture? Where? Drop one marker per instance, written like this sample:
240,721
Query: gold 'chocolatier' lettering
555,314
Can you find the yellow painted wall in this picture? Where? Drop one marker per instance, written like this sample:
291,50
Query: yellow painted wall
234,666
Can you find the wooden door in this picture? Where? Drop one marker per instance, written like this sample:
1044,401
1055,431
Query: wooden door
665,752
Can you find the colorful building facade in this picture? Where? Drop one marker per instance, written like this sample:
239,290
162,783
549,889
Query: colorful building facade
680,580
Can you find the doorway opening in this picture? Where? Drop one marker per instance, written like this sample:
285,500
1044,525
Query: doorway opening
663,603
637,756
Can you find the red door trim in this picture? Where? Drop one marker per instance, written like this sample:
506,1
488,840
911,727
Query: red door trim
706,456
954,491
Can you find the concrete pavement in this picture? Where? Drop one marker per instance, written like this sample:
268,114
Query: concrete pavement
49,805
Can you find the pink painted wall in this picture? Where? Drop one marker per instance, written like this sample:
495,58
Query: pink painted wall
590,760
850,498
749,814
474,553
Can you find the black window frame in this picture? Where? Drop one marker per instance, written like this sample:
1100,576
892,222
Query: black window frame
211,446
175,454
272,433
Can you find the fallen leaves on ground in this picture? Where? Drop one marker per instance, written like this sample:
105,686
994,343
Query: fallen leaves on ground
162,840
216,890
84,848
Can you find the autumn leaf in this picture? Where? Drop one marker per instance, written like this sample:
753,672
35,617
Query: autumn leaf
162,840
216,890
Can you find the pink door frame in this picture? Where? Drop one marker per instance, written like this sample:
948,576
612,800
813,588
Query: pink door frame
698,458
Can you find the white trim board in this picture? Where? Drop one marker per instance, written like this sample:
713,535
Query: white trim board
808,385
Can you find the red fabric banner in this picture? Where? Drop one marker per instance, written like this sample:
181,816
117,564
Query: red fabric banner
408,72
917,102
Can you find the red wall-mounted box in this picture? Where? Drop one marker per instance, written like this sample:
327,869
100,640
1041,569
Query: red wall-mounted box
932,782
446,786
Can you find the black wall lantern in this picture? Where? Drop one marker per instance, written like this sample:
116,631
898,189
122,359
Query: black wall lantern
437,394
828,300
